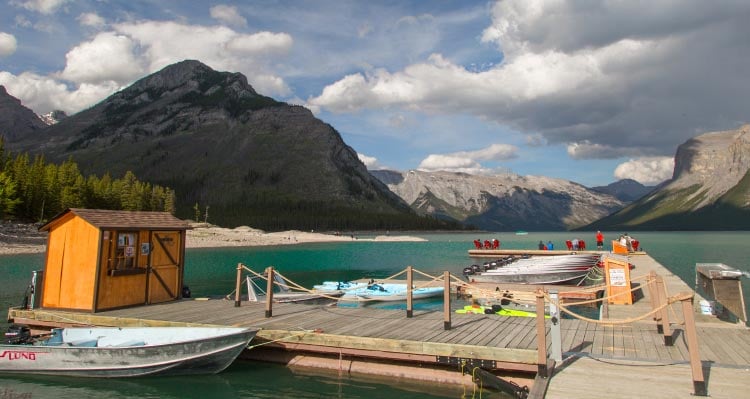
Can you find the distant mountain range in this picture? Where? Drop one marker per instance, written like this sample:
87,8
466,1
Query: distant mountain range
257,161
709,189
626,190
503,202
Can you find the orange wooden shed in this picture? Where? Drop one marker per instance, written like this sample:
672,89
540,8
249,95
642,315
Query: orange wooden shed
103,259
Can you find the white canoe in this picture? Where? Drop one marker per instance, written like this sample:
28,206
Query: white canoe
387,292
128,352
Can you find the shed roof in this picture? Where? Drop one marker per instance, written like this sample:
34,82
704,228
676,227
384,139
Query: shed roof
109,219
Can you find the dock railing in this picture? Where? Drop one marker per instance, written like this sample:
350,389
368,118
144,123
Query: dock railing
656,287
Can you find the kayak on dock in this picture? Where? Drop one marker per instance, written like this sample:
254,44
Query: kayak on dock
496,309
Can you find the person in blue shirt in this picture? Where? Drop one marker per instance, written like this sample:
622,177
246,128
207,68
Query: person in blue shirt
550,246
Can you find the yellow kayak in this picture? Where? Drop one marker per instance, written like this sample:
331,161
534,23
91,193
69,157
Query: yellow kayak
502,312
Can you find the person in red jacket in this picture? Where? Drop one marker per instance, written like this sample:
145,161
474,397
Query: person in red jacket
599,240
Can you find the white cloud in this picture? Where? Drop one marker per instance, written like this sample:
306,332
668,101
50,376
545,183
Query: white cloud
91,19
228,14
164,43
112,59
22,21
648,171
642,80
107,57
261,43
44,94
588,150
468,161
8,44
41,6
370,162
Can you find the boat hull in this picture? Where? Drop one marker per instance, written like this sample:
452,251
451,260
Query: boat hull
531,278
538,270
208,355
421,293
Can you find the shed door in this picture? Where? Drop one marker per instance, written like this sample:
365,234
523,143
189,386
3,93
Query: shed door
164,274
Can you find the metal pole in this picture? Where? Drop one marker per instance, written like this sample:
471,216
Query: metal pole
446,300
555,334
269,291
237,296
541,337
409,293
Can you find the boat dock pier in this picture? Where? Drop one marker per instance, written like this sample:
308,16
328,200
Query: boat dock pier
626,355
499,253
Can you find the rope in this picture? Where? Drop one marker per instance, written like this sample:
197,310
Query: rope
623,321
279,339
59,317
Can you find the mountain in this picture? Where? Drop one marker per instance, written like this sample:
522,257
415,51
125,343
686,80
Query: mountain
210,136
53,117
505,202
709,189
15,119
626,190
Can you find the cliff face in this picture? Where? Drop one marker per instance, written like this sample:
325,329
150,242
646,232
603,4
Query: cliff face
709,190
716,161
217,142
16,120
501,203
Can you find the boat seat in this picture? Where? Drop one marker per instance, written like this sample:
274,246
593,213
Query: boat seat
83,343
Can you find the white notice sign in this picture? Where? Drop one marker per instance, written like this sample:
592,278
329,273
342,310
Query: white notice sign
617,278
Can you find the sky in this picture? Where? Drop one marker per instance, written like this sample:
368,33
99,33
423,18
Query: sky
587,91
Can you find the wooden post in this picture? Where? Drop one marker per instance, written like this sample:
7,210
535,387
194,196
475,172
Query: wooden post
409,293
541,336
237,287
269,291
699,382
446,300
661,290
654,296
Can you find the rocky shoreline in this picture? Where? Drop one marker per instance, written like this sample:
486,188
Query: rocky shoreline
19,238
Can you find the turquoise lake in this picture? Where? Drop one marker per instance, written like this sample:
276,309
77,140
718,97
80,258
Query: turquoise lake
211,272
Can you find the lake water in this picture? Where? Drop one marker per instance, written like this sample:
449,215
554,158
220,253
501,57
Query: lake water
211,272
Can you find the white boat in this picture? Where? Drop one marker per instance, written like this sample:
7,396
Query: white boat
395,292
124,352
286,295
338,286
557,269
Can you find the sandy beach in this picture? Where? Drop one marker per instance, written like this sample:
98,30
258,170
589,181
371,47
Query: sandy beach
17,238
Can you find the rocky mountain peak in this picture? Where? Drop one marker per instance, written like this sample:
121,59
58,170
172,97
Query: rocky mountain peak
717,161
503,202
53,117
626,190
15,119
193,75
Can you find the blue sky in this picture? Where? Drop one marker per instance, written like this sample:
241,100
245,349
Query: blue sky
590,92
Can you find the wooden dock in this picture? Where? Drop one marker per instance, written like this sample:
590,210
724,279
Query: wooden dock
613,361
499,253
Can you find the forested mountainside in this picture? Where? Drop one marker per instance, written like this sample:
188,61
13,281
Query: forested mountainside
246,158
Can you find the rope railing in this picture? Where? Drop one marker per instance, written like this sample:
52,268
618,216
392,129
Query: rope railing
538,298
290,284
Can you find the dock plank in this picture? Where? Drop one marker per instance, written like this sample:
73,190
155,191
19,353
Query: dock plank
505,339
